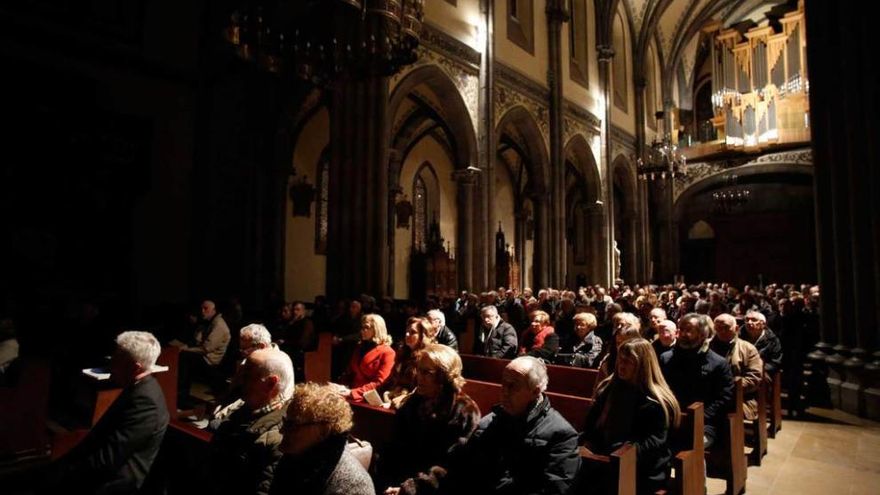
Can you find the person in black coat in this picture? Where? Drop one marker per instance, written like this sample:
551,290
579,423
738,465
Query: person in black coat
583,348
442,334
697,374
498,338
634,405
118,452
756,332
523,446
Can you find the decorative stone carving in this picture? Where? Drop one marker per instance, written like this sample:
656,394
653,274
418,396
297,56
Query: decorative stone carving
699,171
623,139
457,60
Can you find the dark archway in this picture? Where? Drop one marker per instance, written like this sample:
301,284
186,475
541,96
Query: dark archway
626,219
585,215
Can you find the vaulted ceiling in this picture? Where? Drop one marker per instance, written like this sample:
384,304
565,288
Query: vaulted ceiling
675,25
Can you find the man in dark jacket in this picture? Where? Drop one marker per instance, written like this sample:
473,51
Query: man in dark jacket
442,334
523,446
117,454
245,445
498,338
697,374
756,332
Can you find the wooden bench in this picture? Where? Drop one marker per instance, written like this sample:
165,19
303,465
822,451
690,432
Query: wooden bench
689,453
731,462
24,411
562,379
317,362
756,431
775,404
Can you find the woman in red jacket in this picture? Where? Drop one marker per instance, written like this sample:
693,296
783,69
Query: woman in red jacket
539,340
372,361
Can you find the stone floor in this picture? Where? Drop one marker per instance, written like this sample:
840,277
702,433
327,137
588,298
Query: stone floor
828,452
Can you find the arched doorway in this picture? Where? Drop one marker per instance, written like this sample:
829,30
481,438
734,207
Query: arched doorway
521,159
585,217
625,219
431,138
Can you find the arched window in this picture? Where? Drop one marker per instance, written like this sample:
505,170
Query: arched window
420,213
651,89
620,94
323,200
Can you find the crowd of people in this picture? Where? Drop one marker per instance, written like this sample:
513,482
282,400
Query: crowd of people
657,349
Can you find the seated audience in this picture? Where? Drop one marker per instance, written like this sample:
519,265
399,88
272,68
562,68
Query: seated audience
250,338
440,332
755,331
244,448
8,347
583,347
315,460
403,380
743,358
372,361
667,333
118,452
437,418
522,446
696,374
497,338
298,336
539,340
655,316
634,405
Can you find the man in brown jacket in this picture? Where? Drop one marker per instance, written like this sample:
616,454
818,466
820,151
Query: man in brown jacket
744,359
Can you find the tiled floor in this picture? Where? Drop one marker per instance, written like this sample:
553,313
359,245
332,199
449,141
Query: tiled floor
828,453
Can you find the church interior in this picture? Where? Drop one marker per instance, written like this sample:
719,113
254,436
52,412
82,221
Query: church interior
401,152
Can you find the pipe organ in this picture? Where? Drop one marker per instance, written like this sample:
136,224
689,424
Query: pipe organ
760,86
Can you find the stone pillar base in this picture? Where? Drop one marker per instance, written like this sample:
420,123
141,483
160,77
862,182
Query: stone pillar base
872,403
852,398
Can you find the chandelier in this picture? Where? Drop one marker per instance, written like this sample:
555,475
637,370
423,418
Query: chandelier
663,159
732,197
325,40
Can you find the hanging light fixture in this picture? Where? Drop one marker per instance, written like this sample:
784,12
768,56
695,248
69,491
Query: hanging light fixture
731,197
325,40
663,159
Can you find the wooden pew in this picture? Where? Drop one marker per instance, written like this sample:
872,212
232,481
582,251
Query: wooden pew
775,403
731,462
376,425
562,379
24,411
756,431
688,461
317,362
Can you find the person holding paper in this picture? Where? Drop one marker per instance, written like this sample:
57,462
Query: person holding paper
372,362
118,452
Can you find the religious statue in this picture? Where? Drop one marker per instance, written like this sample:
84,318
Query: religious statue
302,194
404,210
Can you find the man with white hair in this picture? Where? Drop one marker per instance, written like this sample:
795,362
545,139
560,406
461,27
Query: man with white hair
244,448
118,452
442,333
522,446
498,338
756,332
743,358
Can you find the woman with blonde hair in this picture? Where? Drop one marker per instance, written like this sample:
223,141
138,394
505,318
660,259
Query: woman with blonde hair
372,361
419,333
539,339
635,405
437,417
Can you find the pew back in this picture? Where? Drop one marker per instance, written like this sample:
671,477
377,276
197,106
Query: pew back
562,379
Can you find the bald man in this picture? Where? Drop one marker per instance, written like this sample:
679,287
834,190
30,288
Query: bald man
522,446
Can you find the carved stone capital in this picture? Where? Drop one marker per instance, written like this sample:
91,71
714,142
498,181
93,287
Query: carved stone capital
464,177
606,53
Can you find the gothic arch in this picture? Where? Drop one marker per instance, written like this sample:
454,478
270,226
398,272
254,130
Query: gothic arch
585,214
626,220
455,116
522,150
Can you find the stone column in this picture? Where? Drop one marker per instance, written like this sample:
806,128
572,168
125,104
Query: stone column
487,147
843,110
606,56
557,14
541,275
466,181
357,236
395,162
